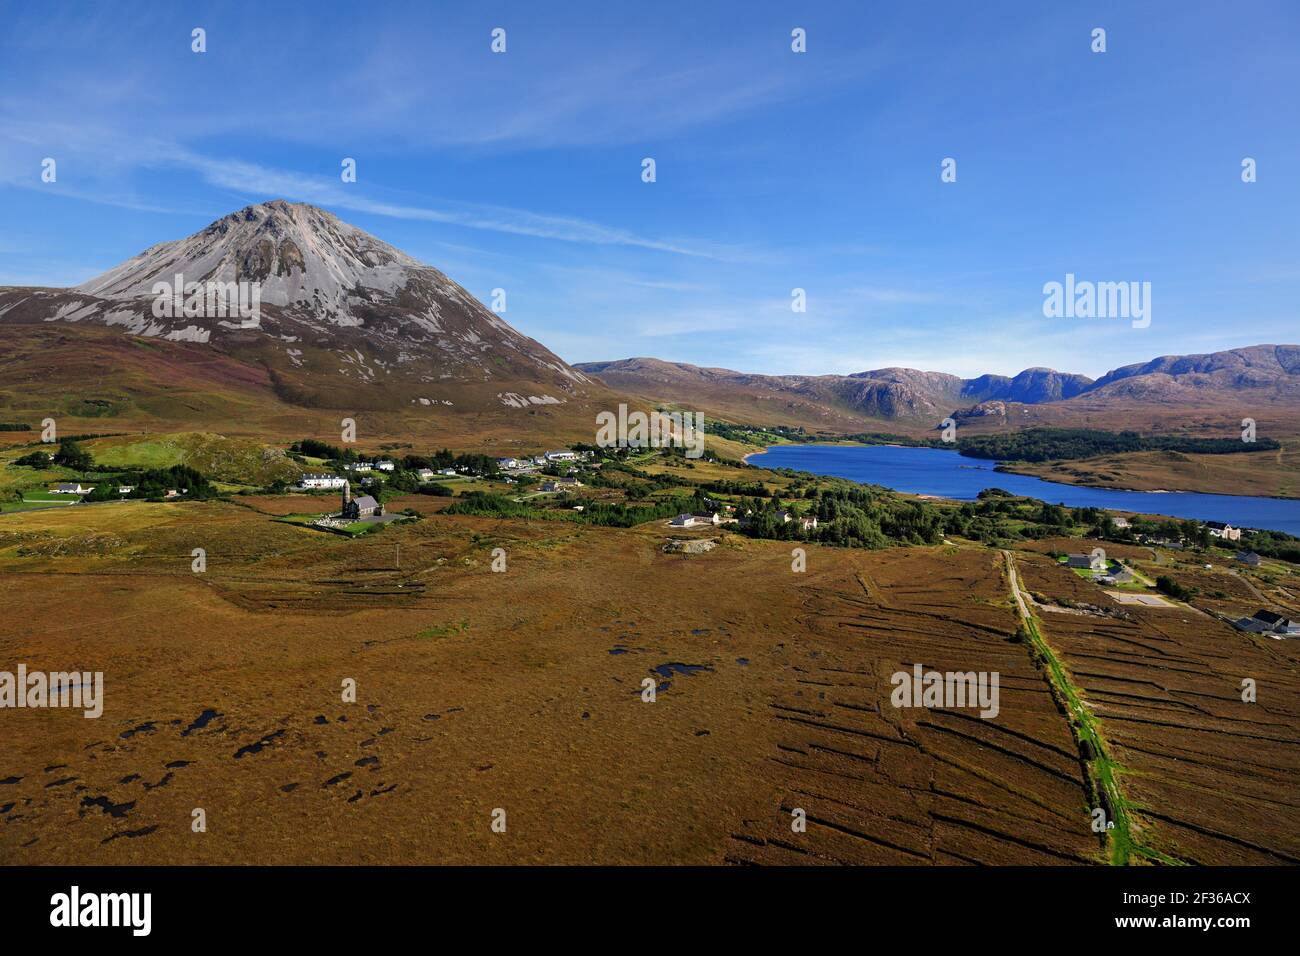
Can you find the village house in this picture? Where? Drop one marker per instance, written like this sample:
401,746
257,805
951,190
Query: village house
561,484
1086,562
1221,529
386,465
1119,522
360,466
425,474
509,464
561,455
447,472
72,488
1270,624
1247,557
809,523
695,520
783,516
320,480
125,489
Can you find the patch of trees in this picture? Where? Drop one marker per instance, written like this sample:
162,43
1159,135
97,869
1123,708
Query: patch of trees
474,464
752,489
849,517
614,515
155,483
1167,585
1063,444
318,449
37,459
437,490
72,455
14,427
1273,544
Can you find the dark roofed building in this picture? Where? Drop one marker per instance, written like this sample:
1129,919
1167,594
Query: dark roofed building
1270,623
362,506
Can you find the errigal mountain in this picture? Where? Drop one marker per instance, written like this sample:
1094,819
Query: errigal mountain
346,322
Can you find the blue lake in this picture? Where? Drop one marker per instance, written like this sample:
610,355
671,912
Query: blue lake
946,474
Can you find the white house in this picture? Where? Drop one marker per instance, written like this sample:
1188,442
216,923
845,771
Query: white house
1086,562
783,516
360,466
509,464
73,488
561,455
386,465
809,523
425,474
1120,522
1221,529
696,519
448,472
316,480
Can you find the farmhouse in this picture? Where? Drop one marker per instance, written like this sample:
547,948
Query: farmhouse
1120,522
784,516
1269,623
360,466
1086,562
562,456
425,474
561,484
317,480
73,488
696,519
1221,529
386,465
509,464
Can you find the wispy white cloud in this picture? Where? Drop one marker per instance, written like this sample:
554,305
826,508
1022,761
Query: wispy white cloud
259,182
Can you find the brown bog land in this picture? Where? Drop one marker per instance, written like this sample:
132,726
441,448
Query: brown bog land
521,691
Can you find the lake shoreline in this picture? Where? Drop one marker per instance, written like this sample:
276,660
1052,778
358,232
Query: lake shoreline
946,474
1010,468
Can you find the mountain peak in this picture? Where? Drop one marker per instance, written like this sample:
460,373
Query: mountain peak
335,304
302,257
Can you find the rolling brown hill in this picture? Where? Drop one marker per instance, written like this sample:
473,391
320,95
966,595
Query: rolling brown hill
1193,392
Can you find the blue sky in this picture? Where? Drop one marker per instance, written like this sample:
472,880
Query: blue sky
775,170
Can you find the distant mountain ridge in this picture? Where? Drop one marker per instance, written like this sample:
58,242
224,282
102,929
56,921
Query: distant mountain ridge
1260,374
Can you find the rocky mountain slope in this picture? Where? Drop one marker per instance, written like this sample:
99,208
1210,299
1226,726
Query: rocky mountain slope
346,321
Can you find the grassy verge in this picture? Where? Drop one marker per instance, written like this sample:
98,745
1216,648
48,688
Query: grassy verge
1121,843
